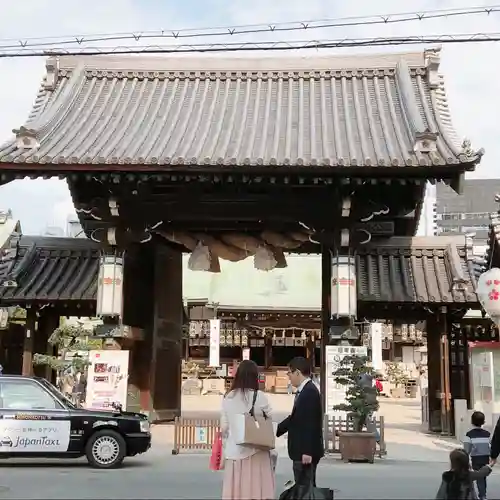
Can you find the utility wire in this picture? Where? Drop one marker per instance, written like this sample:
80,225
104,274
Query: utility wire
80,40
262,46
416,16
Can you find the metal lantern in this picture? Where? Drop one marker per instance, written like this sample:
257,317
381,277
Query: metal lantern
343,286
488,292
110,286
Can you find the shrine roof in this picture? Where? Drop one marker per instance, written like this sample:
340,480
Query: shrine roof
47,269
426,270
367,111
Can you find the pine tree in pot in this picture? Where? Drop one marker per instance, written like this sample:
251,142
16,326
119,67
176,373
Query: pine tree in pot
355,374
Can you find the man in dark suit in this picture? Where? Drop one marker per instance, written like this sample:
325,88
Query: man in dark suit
305,424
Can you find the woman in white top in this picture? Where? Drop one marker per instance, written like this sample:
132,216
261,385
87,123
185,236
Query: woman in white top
248,472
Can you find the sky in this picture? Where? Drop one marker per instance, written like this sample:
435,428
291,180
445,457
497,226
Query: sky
472,77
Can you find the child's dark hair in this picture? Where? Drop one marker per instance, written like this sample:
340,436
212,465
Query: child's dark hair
477,419
459,463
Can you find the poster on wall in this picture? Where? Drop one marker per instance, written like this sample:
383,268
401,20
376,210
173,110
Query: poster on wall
107,380
245,353
335,393
25,436
214,349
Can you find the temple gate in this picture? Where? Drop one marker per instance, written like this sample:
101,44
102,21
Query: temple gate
237,157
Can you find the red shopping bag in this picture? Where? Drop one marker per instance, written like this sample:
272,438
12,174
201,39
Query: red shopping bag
216,456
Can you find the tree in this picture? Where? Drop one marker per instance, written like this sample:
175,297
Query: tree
355,374
396,374
66,339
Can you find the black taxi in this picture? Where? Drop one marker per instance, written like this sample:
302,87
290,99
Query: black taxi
37,420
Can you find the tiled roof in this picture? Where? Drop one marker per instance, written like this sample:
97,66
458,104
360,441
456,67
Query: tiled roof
409,270
436,269
46,269
401,270
383,110
8,226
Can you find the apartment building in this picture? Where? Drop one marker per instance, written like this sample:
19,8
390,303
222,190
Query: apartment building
468,212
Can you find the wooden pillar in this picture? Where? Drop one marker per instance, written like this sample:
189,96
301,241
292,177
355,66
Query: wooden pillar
438,359
326,279
446,410
434,373
138,283
28,346
310,350
166,365
48,321
268,351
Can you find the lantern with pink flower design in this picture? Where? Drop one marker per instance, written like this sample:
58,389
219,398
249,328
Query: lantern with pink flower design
488,292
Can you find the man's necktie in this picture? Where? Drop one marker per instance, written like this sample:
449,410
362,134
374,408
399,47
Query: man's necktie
296,397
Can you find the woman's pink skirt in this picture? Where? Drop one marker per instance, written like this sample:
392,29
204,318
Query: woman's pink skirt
249,479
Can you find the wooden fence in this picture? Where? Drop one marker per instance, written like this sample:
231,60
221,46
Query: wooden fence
194,434
333,425
198,434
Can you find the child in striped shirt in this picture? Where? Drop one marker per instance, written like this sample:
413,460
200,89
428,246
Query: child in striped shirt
477,445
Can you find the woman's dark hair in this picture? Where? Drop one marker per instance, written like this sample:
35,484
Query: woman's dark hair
246,377
459,462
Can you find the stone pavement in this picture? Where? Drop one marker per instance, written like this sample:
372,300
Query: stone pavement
412,469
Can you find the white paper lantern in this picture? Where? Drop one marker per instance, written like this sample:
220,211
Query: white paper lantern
343,287
488,292
110,287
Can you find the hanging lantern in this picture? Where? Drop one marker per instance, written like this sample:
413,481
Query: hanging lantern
343,287
411,332
404,332
488,292
110,286
192,329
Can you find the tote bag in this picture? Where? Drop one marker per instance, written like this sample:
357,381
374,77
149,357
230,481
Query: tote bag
254,431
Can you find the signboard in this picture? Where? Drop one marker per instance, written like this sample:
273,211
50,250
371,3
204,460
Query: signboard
107,380
246,353
110,287
25,436
214,349
200,435
335,393
376,344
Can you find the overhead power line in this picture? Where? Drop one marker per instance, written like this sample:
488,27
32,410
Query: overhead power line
262,46
54,43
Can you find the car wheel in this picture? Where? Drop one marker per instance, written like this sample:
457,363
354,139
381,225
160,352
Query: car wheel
105,449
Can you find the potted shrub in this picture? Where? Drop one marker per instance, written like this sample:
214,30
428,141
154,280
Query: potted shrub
356,375
398,378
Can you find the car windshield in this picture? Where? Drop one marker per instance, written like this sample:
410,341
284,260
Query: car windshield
54,390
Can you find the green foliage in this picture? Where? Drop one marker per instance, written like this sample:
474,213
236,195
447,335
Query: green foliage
17,315
360,400
66,338
396,374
